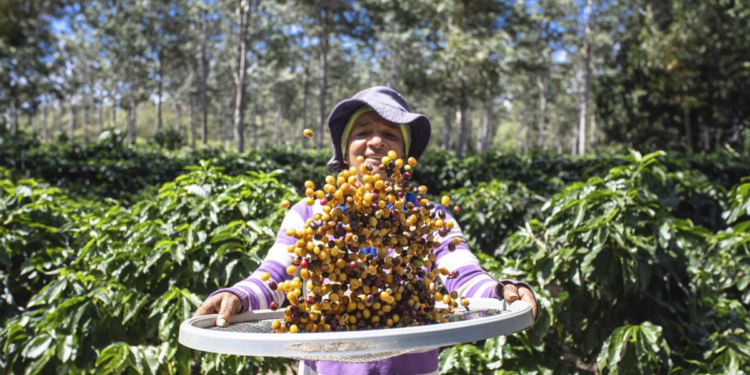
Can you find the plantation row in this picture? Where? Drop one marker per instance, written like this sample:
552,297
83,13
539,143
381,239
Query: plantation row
639,262
114,168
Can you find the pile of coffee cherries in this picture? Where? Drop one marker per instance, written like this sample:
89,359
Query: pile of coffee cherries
342,255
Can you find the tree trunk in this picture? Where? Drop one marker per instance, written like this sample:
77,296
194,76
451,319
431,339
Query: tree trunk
463,128
135,121
132,120
584,100
255,122
542,85
57,119
592,130
519,136
260,129
14,111
447,118
178,116
239,103
226,119
688,131
100,117
706,138
204,80
277,127
559,139
128,121
305,90
393,58
322,76
114,112
574,142
71,119
31,121
486,139
160,91
85,113
191,114
461,125
44,121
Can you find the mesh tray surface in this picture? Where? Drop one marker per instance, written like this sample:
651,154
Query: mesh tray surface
264,326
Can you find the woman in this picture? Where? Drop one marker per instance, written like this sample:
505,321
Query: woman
368,125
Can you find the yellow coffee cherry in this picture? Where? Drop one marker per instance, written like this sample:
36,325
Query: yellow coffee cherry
291,270
307,133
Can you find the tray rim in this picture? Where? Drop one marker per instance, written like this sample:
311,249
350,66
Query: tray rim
517,317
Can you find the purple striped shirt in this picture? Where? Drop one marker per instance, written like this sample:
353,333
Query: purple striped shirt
472,281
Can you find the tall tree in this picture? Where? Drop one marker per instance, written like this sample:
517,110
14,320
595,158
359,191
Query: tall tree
26,46
243,8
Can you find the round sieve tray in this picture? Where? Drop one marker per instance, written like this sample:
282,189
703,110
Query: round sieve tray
251,334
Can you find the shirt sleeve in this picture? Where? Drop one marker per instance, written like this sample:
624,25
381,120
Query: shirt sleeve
254,293
471,281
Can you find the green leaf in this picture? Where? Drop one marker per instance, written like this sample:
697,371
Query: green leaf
37,346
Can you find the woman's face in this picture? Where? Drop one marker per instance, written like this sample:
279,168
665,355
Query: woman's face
372,137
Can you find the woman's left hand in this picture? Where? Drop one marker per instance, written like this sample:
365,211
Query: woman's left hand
512,293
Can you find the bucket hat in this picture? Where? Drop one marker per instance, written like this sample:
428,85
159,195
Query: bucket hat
391,106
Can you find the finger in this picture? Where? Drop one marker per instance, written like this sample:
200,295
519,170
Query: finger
228,308
528,297
510,293
208,307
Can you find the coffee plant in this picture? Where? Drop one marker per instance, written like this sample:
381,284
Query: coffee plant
115,304
639,262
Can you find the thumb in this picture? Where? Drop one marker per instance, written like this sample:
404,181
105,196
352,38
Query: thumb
528,297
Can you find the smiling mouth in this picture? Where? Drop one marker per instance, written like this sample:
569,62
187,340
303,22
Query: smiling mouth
375,157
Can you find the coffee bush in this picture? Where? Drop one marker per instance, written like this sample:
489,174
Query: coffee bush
116,304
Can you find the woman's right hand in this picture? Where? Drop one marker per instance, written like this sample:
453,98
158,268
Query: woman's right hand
225,304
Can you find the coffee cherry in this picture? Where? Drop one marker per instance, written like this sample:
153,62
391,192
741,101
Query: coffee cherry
265,276
446,200
273,306
291,270
284,203
412,162
307,133
456,209
361,159
272,285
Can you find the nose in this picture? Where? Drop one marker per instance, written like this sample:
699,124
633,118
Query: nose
375,141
